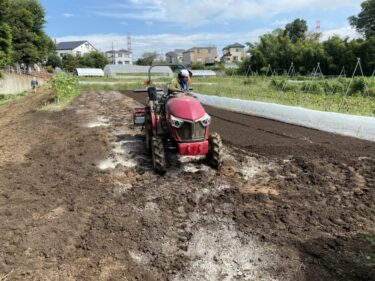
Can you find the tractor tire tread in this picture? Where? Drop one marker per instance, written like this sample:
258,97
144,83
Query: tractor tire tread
159,156
216,153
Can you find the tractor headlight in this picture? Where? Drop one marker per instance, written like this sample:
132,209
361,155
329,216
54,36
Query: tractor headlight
205,120
176,122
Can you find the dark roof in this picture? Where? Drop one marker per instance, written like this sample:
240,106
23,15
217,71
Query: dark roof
200,48
235,45
170,54
118,51
69,45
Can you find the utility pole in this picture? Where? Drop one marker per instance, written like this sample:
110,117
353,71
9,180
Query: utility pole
129,39
113,55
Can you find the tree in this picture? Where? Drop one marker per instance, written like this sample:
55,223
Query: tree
54,61
273,48
296,30
367,55
364,22
307,54
147,58
70,62
30,43
5,34
93,60
5,44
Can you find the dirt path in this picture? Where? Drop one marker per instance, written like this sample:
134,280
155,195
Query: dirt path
79,201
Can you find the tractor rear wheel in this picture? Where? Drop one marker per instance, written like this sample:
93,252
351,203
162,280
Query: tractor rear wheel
214,156
158,155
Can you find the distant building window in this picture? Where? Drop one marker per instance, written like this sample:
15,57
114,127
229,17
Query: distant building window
238,50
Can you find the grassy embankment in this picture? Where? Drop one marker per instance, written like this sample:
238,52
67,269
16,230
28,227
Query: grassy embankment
4,98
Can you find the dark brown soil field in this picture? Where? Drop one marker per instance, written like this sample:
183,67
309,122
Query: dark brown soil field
79,200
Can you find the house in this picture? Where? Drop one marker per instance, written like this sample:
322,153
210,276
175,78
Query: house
233,53
175,57
203,55
76,48
120,57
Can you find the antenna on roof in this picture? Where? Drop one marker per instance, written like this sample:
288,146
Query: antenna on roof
129,39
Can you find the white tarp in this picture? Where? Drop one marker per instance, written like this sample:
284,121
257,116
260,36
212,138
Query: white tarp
90,72
203,73
343,124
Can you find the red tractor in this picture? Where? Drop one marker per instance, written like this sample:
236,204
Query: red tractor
176,121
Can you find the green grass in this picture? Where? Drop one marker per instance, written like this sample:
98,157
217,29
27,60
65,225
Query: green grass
260,89
115,87
4,98
318,94
119,80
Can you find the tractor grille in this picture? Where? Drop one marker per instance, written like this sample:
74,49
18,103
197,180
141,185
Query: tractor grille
191,131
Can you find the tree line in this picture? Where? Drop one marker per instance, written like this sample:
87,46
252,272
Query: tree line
336,55
23,39
22,36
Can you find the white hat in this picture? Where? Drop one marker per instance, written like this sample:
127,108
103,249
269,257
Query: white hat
185,73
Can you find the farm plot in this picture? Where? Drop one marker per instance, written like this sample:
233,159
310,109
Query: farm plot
79,201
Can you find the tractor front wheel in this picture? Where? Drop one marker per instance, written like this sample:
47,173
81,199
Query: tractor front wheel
158,155
214,156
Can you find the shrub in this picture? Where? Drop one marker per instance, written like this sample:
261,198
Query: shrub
64,88
371,92
313,88
49,69
284,85
358,86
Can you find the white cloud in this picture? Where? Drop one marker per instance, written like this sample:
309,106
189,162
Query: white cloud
68,15
197,12
346,31
281,22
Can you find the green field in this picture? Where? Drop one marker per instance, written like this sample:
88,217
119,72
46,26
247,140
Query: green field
312,93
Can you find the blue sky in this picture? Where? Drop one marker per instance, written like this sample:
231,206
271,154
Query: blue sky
163,25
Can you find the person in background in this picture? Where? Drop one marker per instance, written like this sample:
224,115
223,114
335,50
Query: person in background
34,84
181,83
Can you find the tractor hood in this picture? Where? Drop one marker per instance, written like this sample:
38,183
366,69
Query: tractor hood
187,108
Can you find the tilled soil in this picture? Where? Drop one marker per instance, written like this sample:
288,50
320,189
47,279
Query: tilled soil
79,200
